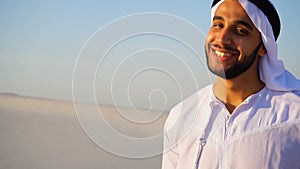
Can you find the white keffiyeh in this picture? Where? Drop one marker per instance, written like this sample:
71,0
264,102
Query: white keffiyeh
272,70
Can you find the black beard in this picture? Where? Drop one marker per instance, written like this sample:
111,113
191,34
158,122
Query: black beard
238,68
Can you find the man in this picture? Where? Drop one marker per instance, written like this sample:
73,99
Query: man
250,117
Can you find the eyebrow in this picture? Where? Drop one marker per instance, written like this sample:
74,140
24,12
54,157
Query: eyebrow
218,18
238,22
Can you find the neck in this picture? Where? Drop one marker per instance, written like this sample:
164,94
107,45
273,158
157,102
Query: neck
232,92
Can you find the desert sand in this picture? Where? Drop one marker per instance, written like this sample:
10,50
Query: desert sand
46,134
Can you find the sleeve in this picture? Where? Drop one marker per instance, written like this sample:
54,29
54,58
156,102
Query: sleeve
170,155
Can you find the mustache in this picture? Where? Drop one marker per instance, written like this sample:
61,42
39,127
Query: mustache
226,47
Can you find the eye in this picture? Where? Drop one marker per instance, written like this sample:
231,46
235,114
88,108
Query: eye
217,25
241,31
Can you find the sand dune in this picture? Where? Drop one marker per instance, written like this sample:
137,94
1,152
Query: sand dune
46,134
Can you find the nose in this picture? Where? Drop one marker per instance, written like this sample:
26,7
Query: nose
224,36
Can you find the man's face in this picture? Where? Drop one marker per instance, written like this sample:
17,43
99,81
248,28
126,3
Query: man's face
233,42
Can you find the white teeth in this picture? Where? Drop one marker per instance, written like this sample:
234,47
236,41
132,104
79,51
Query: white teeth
221,54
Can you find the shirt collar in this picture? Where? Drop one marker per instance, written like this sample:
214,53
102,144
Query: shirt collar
214,101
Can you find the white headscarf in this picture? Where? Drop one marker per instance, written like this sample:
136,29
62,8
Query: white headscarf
272,70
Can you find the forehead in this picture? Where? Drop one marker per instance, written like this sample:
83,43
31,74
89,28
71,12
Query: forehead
232,10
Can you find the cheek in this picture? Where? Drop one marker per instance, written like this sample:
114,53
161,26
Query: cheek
209,39
210,36
246,47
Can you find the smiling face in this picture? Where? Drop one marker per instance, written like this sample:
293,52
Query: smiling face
233,43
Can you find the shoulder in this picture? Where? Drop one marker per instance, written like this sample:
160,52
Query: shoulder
183,117
284,98
284,104
187,110
199,98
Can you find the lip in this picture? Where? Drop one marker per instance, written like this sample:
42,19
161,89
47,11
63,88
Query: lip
223,54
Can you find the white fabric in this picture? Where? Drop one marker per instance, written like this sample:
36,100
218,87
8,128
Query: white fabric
263,132
272,70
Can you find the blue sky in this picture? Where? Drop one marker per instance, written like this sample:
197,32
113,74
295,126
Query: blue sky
40,40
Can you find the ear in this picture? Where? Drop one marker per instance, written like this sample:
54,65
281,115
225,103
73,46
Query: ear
262,50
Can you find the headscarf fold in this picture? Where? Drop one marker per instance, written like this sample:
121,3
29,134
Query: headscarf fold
271,69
